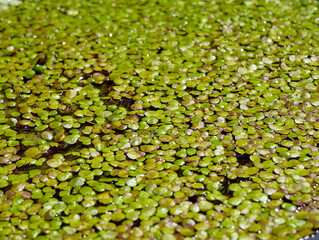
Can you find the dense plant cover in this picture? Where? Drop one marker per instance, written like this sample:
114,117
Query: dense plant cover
147,119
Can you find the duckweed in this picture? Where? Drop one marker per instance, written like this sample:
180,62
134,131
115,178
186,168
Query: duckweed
159,119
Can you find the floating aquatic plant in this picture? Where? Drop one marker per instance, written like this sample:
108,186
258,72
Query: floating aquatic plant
159,119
